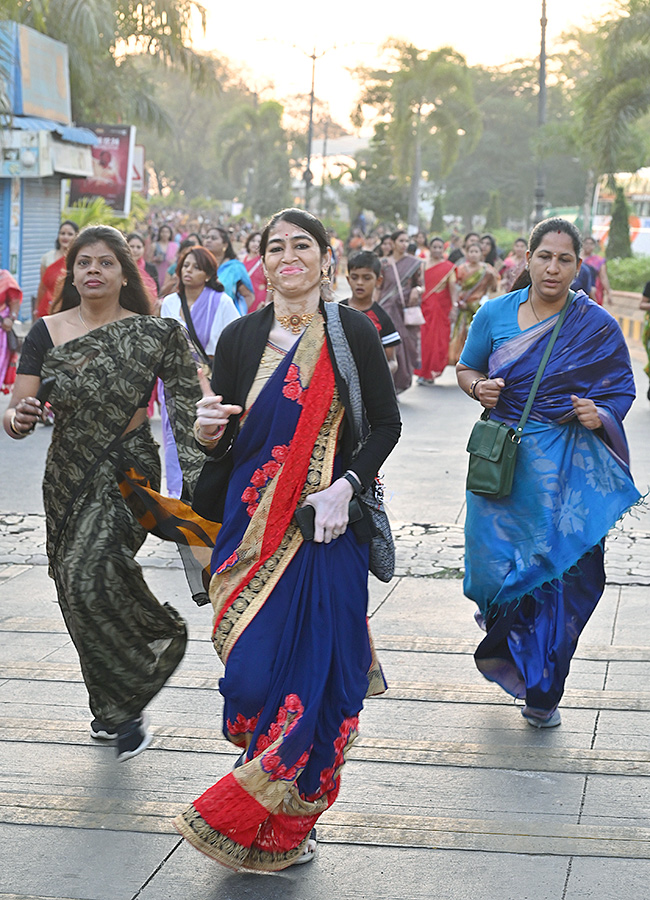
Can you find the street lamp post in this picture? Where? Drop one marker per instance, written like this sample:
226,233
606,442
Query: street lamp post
308,175
540,186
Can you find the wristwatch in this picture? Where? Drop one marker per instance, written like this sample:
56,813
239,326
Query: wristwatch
353,479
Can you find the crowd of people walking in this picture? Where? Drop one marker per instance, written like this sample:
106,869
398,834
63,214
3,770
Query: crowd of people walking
279,407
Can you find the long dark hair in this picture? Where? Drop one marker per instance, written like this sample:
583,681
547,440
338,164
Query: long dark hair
133,295
491,257
204,261
302,219
229,252
539,232
73,225
169,228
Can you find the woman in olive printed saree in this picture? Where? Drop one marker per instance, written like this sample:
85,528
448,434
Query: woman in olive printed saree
128,643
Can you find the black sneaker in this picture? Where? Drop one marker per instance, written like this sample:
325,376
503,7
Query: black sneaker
102,732
132,738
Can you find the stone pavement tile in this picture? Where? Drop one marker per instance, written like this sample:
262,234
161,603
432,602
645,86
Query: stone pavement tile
48,694
621,730
381,788
31,585
633,619
18,647
457,668
79,863
427,606
608,879
600,627
499,725
353,872
628,676
610,800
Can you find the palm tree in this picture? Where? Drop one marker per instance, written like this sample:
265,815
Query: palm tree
423,97
104,39
255,156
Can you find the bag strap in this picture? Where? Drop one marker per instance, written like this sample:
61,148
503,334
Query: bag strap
192,330
542,366
398,280
347,367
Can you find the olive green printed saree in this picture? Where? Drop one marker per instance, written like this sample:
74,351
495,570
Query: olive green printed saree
128,643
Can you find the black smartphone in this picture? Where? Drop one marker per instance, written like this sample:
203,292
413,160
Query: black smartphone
45,389
305,517
42,395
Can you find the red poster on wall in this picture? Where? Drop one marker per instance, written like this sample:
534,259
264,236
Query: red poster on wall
112,168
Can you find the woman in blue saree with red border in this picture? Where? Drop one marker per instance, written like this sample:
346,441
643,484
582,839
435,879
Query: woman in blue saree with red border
534,559
290,614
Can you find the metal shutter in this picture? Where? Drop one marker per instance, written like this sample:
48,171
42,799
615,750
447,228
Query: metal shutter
5,186
41,219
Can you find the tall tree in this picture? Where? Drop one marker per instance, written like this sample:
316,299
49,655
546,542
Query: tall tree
104,38
423,97
255,155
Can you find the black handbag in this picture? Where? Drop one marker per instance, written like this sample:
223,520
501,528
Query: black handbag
492,446
13,341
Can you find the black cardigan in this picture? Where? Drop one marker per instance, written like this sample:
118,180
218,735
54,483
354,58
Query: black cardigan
236,361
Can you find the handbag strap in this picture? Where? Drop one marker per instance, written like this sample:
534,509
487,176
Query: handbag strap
347,367
542,366
190,327
398,280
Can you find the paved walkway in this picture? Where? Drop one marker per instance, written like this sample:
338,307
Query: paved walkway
448,793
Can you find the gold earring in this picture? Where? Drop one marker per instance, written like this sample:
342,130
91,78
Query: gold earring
324,278
269,287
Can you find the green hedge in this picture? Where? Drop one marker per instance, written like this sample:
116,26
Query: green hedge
629,274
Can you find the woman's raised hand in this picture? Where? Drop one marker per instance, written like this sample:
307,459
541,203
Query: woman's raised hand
211,414
587,413
489,391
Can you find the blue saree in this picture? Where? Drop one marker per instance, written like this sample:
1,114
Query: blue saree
534,560
290,629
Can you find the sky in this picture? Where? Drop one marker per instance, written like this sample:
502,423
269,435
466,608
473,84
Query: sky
272,42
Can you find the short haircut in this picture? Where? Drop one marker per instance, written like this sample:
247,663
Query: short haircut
364,259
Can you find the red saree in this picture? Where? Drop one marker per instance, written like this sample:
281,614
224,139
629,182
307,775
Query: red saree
436,308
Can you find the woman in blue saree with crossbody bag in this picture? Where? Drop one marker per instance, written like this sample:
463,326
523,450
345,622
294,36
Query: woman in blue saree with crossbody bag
534,559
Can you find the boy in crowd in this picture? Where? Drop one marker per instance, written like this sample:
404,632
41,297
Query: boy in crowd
364,277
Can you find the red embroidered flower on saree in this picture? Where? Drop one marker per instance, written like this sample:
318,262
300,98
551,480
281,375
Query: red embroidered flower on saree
328,777
292,389
242,725
250,494
280,452
271,468
232,559
258,478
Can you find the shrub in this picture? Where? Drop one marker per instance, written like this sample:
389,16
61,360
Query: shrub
629,274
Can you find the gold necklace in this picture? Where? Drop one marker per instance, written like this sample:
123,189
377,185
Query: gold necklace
81,319
294,322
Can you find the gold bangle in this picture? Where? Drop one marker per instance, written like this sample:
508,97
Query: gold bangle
472,387
12,426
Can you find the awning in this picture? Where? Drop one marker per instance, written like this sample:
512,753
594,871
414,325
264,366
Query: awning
67,132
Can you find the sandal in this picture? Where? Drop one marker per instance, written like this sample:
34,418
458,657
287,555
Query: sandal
309,851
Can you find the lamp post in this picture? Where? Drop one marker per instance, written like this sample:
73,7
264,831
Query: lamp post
308,176
540,186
